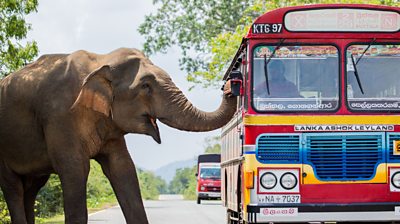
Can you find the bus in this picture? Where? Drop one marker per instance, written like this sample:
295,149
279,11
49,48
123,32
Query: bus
316,135
208,177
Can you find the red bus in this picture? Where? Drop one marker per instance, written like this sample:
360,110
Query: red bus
208,177
316,137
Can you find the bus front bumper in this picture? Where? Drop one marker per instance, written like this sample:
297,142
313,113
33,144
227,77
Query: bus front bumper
362,212
209,195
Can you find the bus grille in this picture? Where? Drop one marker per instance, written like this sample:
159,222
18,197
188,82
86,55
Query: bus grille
344,157
213,189
392,157
278,148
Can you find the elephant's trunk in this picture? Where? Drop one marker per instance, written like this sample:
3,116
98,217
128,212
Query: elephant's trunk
181,114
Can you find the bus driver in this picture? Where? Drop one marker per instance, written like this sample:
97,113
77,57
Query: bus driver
279,86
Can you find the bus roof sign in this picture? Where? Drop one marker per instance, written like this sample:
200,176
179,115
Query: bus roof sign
342,20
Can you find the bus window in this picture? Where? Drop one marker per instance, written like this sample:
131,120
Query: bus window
300,78
378,73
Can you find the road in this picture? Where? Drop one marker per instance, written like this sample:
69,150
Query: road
169,209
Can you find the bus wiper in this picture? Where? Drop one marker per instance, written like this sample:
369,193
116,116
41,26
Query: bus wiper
266,72
354,62
266,62
366,49
356,73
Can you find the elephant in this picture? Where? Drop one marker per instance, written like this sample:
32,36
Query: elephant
61,111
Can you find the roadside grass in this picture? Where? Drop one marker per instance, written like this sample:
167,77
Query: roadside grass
59,219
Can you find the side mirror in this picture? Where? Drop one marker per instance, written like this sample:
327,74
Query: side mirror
236,78
196,174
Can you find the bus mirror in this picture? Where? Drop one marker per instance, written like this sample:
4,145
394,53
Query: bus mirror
236,75
196,174
236,79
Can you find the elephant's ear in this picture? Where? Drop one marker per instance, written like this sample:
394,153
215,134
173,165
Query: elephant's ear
96,91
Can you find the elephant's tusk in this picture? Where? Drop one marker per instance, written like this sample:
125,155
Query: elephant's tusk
153,122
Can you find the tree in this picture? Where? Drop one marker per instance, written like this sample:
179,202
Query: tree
13,55
151,186
49,201
190,24
213,145
182,179
99,189
209,31
189,193
13,29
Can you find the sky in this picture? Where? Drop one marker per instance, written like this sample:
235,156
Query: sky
100,26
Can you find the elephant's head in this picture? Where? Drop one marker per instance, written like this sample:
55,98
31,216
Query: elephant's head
134,92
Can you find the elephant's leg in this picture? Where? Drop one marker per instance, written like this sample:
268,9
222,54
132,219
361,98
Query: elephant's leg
72,166
32,186
118,166
12,187
73,178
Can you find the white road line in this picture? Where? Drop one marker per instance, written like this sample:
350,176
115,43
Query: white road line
95,213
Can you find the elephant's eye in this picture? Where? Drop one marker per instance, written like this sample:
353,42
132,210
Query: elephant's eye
146,88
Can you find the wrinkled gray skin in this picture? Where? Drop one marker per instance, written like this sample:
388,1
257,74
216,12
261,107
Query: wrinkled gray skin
63,110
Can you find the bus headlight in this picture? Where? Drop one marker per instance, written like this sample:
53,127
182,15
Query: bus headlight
396,179
288,181
268,180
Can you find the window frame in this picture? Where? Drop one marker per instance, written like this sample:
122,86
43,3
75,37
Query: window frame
339,77
346,99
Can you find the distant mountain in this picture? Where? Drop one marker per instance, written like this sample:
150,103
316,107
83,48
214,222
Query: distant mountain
167,172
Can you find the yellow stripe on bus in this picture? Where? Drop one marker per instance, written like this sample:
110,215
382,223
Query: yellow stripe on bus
325,119
380,177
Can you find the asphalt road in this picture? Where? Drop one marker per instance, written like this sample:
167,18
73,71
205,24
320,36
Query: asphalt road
169,209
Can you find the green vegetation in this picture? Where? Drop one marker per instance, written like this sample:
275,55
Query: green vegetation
151,186
184,182
209,32
99,190
212,145
49,201
191,25
13,29
4,217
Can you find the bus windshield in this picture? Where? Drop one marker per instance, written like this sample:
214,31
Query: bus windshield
210,173
377,69
300,78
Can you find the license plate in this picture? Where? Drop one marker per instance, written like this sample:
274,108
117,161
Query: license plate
214,195
279,198
397,210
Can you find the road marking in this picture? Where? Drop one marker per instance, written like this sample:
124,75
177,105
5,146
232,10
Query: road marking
95,213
